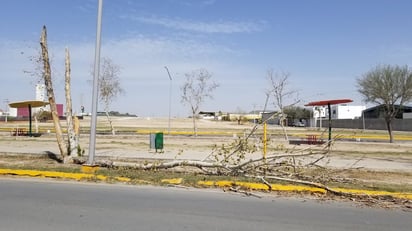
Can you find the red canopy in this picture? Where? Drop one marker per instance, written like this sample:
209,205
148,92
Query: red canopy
331,102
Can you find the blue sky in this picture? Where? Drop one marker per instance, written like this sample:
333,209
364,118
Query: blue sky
324,45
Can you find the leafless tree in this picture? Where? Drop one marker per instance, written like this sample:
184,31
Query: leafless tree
109,86
278,88
50,93
196,89
36,71
73,141
387,85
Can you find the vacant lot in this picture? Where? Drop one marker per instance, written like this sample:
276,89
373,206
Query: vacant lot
368,162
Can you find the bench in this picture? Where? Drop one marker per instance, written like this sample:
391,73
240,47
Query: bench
310,140
19,132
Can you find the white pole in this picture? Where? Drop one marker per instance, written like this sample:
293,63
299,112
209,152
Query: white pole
170,98
92,141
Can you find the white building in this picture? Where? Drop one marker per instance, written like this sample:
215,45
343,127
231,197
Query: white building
41,96
40,92
339,111
12,112
319,112
344,111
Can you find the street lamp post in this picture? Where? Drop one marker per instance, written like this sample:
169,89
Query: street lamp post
170,97
92,140
8,109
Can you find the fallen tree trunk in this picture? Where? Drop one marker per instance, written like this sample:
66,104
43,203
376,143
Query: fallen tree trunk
172,164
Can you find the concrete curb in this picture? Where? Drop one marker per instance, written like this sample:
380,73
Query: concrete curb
61,175
298,188
221,184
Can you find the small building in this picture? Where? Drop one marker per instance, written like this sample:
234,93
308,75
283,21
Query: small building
319,112
24,112
270,117
207,115
338,111
343,111
378,112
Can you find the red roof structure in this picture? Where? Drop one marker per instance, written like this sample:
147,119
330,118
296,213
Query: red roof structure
328,103
331,102
28,104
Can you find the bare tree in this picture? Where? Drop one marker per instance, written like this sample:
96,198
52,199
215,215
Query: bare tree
197,88
50,93
278,88
109,86
37,71
389,86
72,137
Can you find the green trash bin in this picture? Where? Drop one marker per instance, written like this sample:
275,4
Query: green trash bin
159,141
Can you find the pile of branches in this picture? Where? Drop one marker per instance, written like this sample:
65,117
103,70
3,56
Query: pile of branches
237,159
282,164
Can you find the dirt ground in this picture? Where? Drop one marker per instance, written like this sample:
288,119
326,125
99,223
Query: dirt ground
367,161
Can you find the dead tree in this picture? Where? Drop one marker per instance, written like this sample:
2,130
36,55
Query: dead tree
279,90
197,87
72,137
109,87
50,94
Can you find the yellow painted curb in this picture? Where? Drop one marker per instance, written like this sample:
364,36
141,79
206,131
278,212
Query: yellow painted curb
254,186
172,181
89,168
260,186
63,175
298,188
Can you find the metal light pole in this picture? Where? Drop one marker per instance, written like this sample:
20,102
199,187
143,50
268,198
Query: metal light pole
363,119
92,141
8,109
170,98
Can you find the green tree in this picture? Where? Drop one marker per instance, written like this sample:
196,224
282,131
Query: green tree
387,85
295,112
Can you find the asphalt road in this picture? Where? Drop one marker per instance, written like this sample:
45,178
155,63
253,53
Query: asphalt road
48,205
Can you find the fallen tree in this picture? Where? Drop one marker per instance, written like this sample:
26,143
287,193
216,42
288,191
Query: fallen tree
231,159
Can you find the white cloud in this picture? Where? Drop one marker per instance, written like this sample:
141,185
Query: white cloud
143,76
224,27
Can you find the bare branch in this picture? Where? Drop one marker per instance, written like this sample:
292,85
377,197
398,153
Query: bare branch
197,88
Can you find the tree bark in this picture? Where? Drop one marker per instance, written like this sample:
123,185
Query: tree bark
194,124
72,146
110,122
172,164
390,132
50,93
282,124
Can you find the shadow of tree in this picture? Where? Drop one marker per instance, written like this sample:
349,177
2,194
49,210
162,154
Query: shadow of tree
53,156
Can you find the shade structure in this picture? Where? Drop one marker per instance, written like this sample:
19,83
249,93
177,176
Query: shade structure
329,102
29,104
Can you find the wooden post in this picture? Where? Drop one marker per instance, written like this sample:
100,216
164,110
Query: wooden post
264,140
330,123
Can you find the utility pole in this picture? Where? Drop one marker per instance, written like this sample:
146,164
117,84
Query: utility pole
6,101
170,98
92,141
